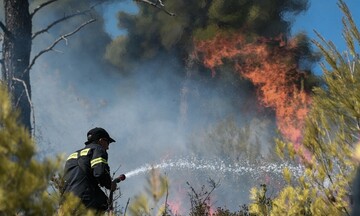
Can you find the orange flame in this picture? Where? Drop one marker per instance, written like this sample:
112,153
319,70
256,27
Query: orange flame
272,67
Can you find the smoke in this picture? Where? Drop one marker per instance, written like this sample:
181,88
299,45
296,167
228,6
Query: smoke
147,91
152,33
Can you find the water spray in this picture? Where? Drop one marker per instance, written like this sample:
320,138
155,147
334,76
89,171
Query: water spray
219,166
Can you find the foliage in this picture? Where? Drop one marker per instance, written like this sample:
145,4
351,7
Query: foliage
331,132
226,212
200,201
25,181
148,203
262,204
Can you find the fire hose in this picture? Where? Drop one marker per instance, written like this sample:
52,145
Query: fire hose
122,177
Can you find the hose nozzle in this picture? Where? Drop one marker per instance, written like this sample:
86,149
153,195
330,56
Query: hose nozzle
121,177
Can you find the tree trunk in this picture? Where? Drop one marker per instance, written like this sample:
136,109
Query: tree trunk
16,56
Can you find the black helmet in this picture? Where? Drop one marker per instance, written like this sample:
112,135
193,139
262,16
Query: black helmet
97,133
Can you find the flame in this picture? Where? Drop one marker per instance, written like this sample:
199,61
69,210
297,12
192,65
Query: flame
271,65
178,197
175,207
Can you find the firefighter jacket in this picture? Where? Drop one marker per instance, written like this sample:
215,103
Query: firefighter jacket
86,170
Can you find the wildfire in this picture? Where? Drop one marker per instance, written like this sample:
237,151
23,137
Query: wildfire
175,207
272,67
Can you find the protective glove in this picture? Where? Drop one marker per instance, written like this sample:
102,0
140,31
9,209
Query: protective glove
122,177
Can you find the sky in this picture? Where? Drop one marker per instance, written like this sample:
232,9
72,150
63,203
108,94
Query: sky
324,16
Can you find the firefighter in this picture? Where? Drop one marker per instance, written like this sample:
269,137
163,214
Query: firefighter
87,169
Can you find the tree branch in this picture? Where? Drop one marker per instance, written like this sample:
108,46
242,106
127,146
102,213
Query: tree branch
62,37
59,21
29,101
127,204
158,5
5,30
41,6
3,27
166,198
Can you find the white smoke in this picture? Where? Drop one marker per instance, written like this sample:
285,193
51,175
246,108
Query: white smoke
74,91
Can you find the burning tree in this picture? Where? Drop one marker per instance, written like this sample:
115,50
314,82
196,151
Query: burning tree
207,28
272,65
331,133
151,33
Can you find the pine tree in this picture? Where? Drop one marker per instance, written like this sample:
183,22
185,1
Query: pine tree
331,133
25,181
